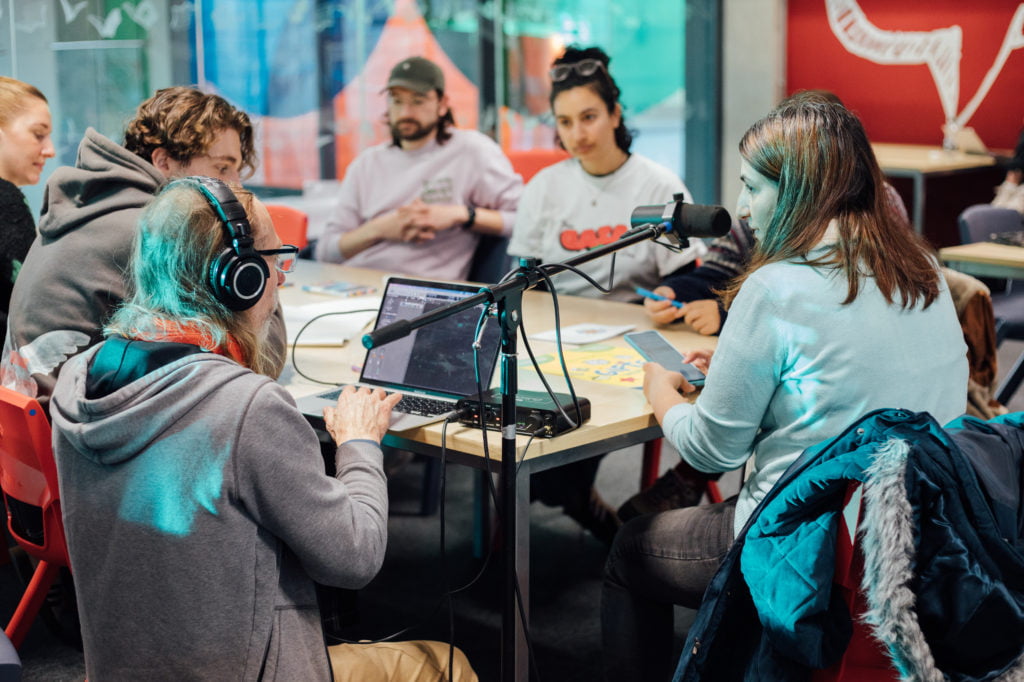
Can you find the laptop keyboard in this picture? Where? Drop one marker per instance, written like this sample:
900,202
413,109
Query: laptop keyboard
414,404
411,404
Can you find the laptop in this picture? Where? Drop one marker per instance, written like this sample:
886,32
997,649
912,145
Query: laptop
433,366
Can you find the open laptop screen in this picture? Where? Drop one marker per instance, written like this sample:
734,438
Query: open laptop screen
437,358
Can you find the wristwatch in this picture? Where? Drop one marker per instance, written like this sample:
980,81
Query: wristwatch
472,216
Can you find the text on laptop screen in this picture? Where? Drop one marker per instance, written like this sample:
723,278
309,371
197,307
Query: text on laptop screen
439,356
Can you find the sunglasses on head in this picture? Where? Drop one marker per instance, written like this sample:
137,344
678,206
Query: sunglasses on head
585,68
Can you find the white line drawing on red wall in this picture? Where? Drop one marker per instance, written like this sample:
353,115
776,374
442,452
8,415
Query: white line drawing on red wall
940,49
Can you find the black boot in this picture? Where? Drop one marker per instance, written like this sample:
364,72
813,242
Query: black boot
594,514
680,486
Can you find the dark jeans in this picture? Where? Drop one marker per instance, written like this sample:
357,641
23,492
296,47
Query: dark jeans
657,561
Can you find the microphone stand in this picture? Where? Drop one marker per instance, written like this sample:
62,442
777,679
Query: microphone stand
508,296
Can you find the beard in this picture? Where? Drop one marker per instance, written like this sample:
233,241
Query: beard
265,358
418,132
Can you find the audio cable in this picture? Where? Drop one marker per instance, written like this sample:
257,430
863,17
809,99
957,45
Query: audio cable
295,343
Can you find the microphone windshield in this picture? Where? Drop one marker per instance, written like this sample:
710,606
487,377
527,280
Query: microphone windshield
685,220
697,220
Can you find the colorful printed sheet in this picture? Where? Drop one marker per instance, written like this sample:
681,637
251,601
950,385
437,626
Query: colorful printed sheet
601,362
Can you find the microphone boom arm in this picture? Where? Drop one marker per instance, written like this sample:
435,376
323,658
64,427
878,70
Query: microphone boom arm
495,293
508,296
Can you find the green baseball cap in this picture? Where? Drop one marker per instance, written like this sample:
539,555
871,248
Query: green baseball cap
417,74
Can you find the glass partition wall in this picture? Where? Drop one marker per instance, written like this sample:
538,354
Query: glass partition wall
310,73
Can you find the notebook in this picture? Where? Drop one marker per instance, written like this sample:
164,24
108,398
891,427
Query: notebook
433,366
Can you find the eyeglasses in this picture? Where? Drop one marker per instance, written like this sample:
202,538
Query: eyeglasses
286,255
414,102
585,68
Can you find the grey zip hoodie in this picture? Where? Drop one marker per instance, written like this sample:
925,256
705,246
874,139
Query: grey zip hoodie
198,515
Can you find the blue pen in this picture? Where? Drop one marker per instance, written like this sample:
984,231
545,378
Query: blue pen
647,293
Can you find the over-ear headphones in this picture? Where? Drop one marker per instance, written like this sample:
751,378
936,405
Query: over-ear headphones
238,274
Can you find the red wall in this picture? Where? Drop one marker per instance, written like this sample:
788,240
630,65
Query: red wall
900,103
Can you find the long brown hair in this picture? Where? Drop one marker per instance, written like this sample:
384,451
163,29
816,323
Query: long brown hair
818,153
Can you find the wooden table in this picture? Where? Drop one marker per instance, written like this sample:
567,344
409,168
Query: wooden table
620,417
966,179
985,259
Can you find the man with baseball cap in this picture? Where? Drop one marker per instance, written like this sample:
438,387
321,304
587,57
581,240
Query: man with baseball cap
419,203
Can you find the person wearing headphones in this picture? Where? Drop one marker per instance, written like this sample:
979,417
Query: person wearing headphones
73,276
196,506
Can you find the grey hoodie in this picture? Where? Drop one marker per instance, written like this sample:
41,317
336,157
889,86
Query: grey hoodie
74,275
198,515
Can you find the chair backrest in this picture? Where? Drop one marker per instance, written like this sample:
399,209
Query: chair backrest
527,162
865,660
973,303
28,478
979,222
290,223
490,260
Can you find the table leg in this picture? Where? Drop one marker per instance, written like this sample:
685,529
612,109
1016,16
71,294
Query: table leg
918,214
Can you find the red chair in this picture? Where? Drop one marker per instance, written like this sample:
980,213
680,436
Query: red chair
527,162
28,478
290,223
865,660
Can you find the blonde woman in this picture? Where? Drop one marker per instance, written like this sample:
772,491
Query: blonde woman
25,145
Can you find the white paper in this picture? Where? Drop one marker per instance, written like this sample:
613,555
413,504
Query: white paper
579,334
333,330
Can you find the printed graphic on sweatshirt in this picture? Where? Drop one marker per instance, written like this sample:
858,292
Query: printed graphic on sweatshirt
43,355
439,191
582,240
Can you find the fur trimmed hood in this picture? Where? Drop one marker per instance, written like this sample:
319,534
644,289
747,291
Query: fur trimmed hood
942,575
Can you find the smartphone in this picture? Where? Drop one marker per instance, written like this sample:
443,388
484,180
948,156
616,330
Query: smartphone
654,347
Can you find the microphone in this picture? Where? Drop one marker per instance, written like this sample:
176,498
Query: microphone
684,220
387,333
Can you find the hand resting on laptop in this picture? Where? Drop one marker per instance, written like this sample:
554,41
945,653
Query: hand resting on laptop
367,414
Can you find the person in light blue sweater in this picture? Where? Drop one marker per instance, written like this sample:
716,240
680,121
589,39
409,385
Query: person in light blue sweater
841,311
